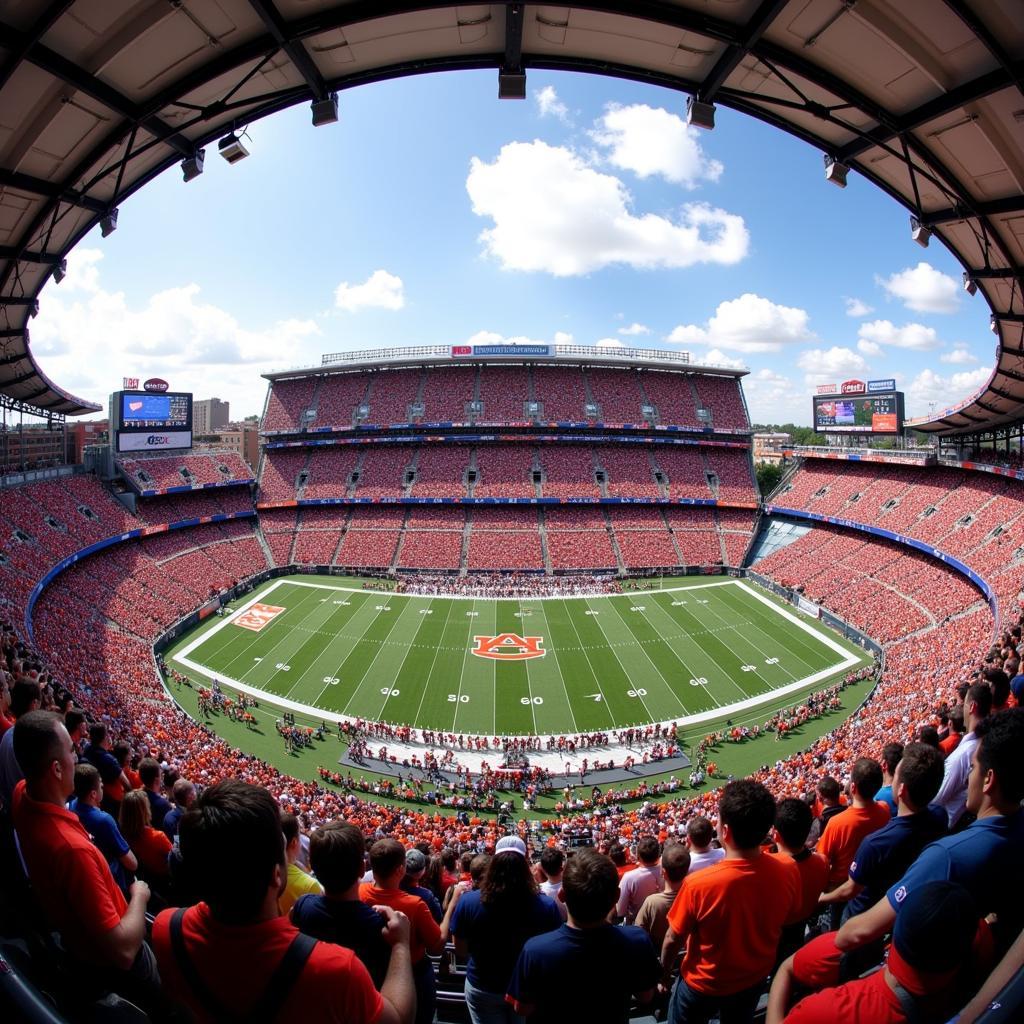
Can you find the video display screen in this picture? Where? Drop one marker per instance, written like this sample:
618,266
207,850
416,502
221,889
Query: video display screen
859,414
161,411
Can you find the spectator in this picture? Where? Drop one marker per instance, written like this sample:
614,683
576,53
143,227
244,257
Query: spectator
387,861
6,721
97,753
552,864
884,856
25,697
236,931
982,856
587,969
653,915
77,726
336,853
952,795
793,820
921,981
298,883
101,826
731,916
151,776
830,797
699,837
839,842
637,885
415,869
184,794
104,935
956,732
492,924
150,845
891,754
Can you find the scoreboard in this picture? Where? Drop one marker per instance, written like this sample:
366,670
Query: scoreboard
859,413
144,421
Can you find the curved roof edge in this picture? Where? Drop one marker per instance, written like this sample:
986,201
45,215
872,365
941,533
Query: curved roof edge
22,380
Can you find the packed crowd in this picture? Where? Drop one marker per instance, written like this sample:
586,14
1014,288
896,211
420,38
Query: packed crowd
492,394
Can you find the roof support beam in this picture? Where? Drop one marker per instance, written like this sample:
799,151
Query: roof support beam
71,73
993,208
39,187
10,252
1003,394
1012,374
296,51
947,102
515,17
727,63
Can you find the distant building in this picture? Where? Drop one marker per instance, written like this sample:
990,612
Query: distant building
81,434
209,415
35,446
769,447
243,438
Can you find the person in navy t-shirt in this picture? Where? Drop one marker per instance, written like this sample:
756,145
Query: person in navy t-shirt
587,969
101,826
985,857
336,855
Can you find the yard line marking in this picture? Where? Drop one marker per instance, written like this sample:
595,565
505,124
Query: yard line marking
394,622
408,650
561,675
430,671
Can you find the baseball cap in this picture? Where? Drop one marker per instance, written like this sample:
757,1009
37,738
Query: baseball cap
415,862
510,843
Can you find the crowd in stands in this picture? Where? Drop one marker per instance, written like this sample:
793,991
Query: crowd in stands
504,393
196,469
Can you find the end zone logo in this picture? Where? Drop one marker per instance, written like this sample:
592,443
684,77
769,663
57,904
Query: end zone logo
509,647
258,616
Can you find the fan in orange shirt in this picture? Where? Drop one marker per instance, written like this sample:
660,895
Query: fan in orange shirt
731,915
839,842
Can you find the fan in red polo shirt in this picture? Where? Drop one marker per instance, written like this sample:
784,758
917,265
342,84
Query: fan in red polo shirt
72,880
230,949
731,915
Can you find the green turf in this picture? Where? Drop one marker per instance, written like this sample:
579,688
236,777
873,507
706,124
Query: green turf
665,654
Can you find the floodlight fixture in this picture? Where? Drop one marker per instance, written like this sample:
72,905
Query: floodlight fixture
60,271
993,322
325,111
836,171
232,149
919,233
970,285
699,113
192,166
108,224
511,85
33,308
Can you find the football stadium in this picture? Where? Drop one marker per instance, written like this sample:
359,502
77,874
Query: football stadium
481,677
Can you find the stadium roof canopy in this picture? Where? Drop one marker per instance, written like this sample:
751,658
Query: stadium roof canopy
922,97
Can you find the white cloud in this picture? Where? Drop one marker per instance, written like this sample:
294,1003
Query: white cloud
857,308
959,357
549,105
86,338
869,348
773,398
634,329
915,337
651,141
717,356
552,212
749,323
494,338
380,290
832,362
923,289
563,338
929,392
609,343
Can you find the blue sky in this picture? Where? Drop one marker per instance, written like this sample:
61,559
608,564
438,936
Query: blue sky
433,213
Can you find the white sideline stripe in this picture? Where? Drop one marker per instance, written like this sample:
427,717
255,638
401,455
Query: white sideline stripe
724,711
529,597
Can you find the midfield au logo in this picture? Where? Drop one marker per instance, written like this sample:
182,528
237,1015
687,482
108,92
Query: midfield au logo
509,647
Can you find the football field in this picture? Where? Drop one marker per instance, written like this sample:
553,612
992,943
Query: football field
699,649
